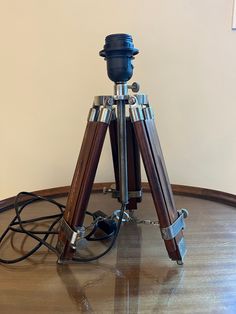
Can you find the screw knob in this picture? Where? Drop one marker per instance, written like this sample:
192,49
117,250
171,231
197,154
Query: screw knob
134,87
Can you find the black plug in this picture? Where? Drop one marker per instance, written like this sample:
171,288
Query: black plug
106,225
98,214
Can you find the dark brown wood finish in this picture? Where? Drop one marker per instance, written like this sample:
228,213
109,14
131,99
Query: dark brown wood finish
89,175
82,182
134,169
75,188
80,171
162,173
160,164
178,189
204,193
114,148
133,156
137,276
165,214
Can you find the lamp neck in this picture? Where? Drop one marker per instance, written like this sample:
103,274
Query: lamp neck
121,89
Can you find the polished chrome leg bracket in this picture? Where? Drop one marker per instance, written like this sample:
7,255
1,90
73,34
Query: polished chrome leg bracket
171,232
71,235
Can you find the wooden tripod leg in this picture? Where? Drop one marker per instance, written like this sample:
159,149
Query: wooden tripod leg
157,176
82,182
114,148
160,164
134,170
133,155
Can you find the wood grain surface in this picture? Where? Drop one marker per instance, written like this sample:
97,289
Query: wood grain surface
137,275
178,189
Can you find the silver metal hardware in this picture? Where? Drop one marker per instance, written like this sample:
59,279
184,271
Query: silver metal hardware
106,190
171,232
72,236
182,249
132,100
110,189
142,99
92,116
60,247
136,113
104,115
120,90
148,113
124,97
122,151
125,217
102,100
184,211
131,194
108,101
149,222
134,87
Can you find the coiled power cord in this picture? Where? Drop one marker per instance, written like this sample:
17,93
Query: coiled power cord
18,225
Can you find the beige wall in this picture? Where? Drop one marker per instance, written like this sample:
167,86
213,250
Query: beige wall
50,70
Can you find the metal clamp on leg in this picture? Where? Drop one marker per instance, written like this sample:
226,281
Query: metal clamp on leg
131,194
72,236
171,232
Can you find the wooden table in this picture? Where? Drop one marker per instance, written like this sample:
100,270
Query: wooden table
137,276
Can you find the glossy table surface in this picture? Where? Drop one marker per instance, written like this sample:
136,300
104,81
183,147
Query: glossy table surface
137,275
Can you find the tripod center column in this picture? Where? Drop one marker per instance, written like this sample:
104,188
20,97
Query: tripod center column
121,92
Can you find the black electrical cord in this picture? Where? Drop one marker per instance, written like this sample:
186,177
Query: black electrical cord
17,221
31,252
90,236
29,233
90,259
18,225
